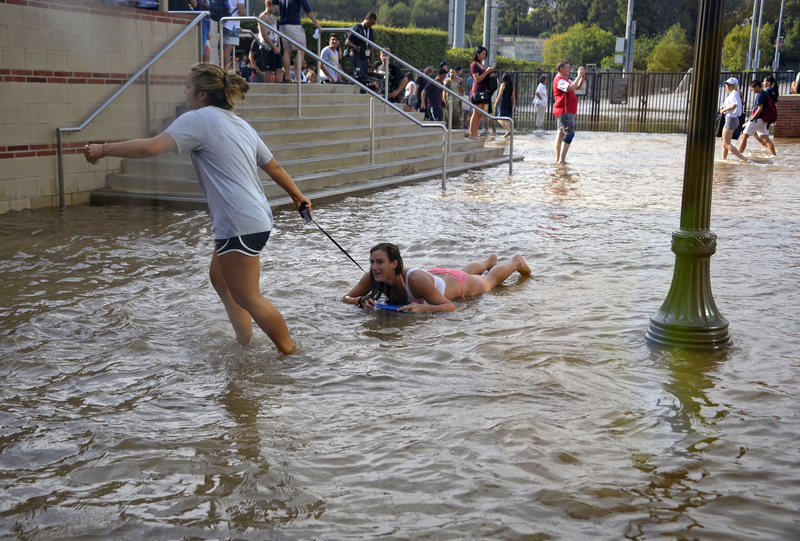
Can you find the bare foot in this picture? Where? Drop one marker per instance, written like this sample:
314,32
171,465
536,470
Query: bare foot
491,261
522,267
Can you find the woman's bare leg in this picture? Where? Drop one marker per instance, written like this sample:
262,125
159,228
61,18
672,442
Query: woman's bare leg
240,276
481,284
727,135
479,267
239,317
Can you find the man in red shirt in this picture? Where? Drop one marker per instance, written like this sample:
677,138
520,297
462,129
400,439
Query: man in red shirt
565,107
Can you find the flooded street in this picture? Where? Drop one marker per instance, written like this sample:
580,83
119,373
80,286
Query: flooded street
536,411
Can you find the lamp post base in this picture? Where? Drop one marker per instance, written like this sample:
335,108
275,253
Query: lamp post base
689,318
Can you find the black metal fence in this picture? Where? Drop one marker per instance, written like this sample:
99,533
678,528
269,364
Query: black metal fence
650,102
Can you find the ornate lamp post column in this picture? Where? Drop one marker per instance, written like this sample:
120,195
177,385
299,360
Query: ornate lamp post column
689,317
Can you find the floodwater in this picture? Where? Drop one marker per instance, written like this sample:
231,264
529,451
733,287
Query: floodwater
534,412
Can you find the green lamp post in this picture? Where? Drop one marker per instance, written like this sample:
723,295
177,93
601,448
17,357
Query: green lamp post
689,317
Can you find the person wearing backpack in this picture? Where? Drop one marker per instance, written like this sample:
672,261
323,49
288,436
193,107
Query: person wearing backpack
230,32
759,118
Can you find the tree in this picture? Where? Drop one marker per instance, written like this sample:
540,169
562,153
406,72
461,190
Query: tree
579,45
672,53
734,52
430,14
569,13
603,13
398,15
342,10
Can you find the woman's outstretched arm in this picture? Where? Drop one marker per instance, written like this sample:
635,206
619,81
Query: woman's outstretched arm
359,290
133,148
279,175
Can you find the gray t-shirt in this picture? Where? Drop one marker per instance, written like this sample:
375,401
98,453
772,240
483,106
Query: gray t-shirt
226,153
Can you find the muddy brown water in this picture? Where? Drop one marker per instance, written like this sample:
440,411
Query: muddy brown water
534,412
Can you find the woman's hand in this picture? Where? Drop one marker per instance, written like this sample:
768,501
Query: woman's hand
299,203
368,303
94,152
413,308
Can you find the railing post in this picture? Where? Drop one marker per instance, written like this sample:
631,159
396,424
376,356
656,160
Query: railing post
200,42
60,153
449,125
444,160
511,150
386,87
220,45
147,103
298,77
372,131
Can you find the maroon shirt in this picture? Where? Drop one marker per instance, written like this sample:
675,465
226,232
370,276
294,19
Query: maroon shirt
476,70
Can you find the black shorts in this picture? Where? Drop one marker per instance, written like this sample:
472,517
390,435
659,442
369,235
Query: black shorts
246,244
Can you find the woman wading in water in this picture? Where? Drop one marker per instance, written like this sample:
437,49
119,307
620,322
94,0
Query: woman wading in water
416,290
226,153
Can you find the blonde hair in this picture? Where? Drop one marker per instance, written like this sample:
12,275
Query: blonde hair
224,88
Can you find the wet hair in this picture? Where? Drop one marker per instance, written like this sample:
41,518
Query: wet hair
543,79
561,64
376,289
224,88
773,84
478,50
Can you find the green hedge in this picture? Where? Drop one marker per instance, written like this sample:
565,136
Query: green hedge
416,46
463,57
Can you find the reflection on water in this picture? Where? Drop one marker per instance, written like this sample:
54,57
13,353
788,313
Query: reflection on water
534,412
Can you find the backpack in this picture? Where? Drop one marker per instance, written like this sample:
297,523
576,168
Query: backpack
770,112
218,8
491,84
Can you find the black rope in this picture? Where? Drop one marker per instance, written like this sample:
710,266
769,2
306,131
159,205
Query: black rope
307,217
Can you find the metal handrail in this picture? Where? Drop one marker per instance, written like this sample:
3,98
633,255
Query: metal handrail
418,72
297,68
144,70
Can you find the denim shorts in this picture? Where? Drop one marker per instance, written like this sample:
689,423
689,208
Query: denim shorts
245,244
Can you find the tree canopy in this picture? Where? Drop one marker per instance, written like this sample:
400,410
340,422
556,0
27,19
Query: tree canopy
543,18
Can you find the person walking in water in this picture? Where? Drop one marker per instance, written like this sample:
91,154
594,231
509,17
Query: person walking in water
226,153
732,109
565,107
416,290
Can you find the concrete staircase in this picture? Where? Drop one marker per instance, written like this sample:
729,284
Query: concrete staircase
326,151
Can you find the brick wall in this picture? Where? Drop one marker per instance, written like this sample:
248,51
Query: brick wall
59,61
788,123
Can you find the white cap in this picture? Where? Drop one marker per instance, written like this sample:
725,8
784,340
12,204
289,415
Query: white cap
732,81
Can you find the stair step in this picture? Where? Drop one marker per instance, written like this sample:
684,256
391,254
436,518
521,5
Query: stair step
327,151
296,162
109,196
360,172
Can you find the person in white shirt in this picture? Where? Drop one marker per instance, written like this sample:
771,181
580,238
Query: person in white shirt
540,102
410,101
732,109
226,153
331,55
230,31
